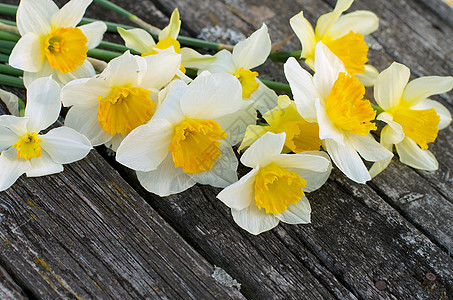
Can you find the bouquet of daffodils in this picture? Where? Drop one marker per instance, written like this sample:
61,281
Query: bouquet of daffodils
178,117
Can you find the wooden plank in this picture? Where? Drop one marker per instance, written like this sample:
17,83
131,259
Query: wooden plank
86,233
8,288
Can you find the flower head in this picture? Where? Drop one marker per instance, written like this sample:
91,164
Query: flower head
24,150
248,54
300,134
106,107
413,119
343,35
51,44
333,99
275,189
140,40
184,142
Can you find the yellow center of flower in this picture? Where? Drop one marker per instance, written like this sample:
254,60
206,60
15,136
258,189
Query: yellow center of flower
421,126
28,146
125,109
165,44
345,106
195,144
276,188
300,135
248,81
65,48
352,50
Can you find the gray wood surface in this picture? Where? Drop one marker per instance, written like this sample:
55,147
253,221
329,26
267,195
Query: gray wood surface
87,232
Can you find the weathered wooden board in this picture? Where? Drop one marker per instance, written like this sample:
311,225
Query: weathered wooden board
85,233
371,242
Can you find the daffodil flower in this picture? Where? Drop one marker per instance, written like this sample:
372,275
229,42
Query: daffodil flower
24,150
275,189
333,99
106,107
300,134
413,119
248,54
140,40
343,35
51,44
184,142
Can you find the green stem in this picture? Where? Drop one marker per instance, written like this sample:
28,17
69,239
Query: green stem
11,81
277,86
7,9
8,70
378,109
8,36
105,55
117,47
4,58
153,30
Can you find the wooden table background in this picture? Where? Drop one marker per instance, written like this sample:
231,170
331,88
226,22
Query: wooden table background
93,232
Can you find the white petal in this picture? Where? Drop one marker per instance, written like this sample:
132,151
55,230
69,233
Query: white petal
70,14
264,97
94,33
166,179
327,67
360,21
347,160
43,104
138,39
327,129
161,68
169,107
442,111
124,70
17,125
325,23
45,71
303,89
304,32
172,29
253,51
298,213
264,150
65,145
146,146
223,63
115,142
412,155
236,124
252,133
316,161
84,93
369,76
394,132
43,165
34,16
421,88
7,137
212,96
11,167
390,84
194,60
224,170
380,166
368,148
28,55
313,166
85,70
11,101
254,220
86,122
240,194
